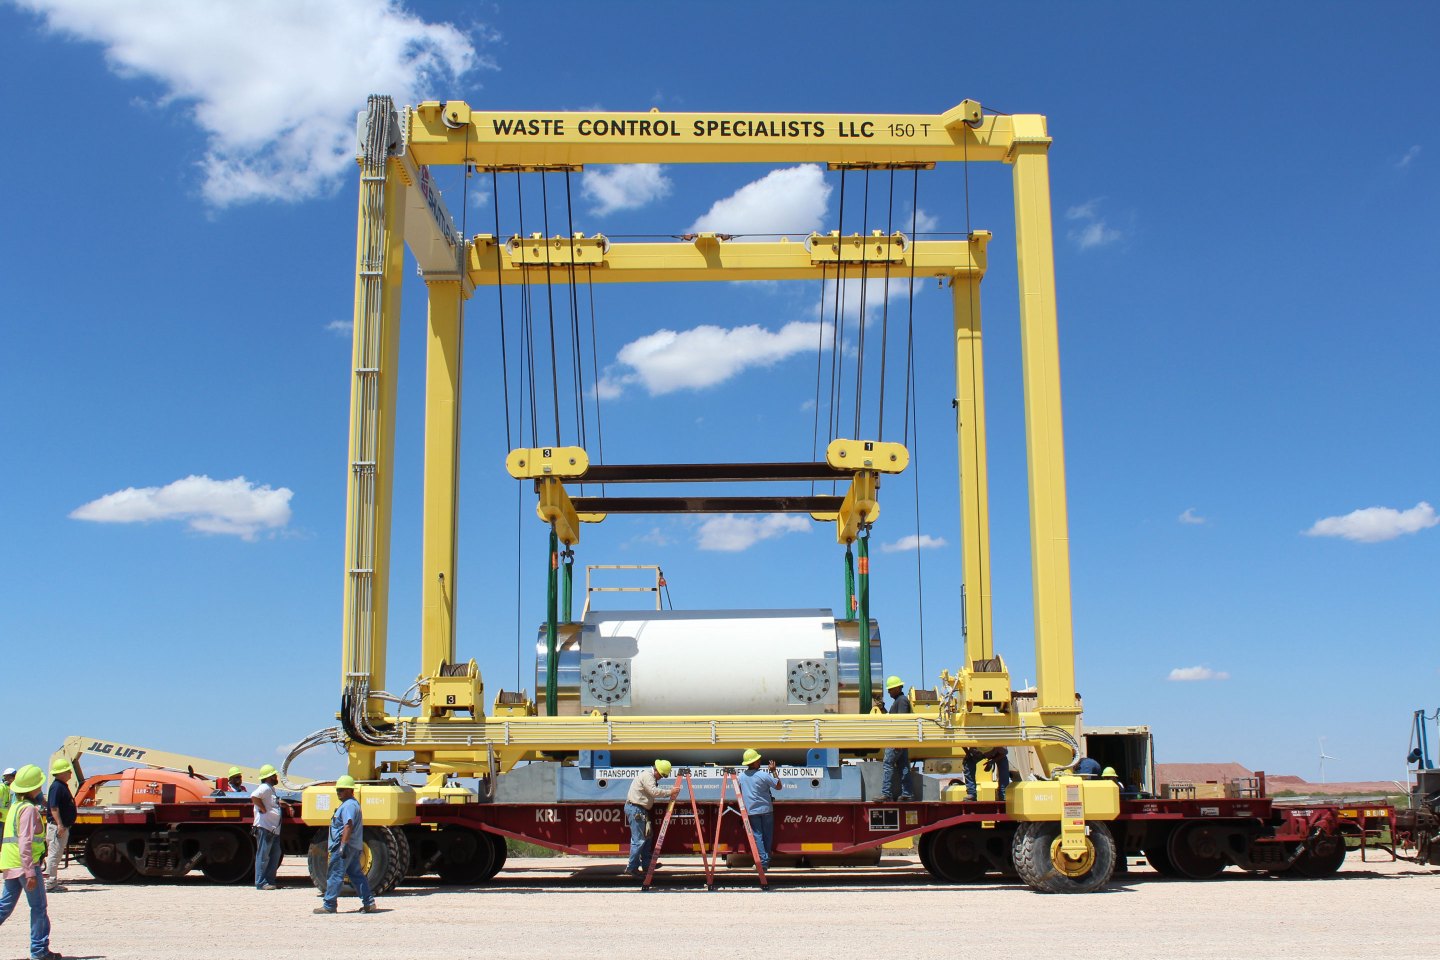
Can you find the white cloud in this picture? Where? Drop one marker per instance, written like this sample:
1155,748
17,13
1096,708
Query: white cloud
1374,524
624,187
341,328
924,222
1197,673
1409,157
703,356
1190,516
911,542
1091,229
732,534
789,201
807,405
237,507
273,84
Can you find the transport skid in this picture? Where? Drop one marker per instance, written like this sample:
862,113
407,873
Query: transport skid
957,842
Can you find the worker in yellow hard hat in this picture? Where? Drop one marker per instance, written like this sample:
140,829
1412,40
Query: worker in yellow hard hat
896,783
639,802
21,854
266,829
757,790
61,803
347,841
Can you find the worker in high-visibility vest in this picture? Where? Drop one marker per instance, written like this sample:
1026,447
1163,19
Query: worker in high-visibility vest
6,779
22,853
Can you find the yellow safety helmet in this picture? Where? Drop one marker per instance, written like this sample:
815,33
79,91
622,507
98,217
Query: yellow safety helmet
662,767
892,682
751,756
268,771
235,772
29,779
60,766
1108,772
346,782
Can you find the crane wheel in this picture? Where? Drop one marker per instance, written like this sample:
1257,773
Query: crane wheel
228,856
1033,853
1196,852
956,855
466,856
399,860
379,860
1321,858
105,857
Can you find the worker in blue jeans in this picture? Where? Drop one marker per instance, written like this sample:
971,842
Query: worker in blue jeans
997,759
644,791
347,830
22,856
896,785
756,789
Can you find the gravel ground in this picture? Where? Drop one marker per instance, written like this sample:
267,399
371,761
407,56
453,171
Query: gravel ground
567,907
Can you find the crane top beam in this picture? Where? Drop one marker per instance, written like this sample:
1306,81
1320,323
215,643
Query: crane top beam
453,132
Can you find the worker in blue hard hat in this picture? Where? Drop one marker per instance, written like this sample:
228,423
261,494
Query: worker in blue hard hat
756,788
639,801
896,785
22,853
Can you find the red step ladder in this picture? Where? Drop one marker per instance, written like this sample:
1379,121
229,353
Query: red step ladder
749,833
683,779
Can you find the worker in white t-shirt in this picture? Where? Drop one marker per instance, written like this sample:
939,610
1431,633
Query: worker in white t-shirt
267,829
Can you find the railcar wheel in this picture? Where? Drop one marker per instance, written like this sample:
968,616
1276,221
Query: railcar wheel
925,847
1322,858
1196,852
466,856
105,858
229,856
1046,868
1158,856
502,853
956,853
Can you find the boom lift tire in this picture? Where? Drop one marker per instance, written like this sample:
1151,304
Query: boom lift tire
1034,851
105,857
466,856
1322,857
1196,852
956,855
229,856
380,859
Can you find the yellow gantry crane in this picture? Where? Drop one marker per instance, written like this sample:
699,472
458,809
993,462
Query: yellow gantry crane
400,206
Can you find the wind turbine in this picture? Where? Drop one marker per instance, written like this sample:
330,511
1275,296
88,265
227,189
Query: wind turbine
1323,757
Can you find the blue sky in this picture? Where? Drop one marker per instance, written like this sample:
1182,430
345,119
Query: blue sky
1245,201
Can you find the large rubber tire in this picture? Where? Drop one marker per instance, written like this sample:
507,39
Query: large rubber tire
229,856
466,856
1031,851
957,855
1196,852
399,863
1322,858
380,859
105,858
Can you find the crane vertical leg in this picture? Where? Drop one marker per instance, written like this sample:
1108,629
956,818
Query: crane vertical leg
442,449
1045,453
974,478
380,255
552,654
